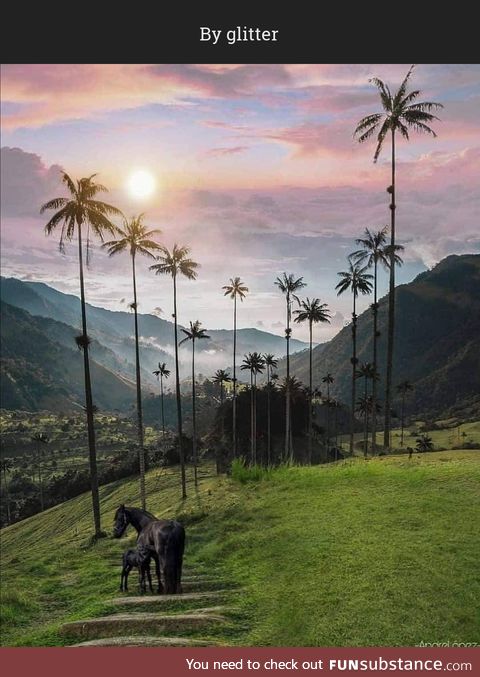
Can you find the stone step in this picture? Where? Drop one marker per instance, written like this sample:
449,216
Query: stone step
127,624
152,601
146,641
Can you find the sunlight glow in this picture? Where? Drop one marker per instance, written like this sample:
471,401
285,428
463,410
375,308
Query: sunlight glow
141,184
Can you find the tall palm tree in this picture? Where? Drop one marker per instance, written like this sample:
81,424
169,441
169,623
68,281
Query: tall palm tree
221,377
403,388
236,289
162,373
195,333
177,263
357,280
135,238
40,439
6,466
368,373
372,253
311,311
72,214
328,380
289,285
255,363
401,113
270,363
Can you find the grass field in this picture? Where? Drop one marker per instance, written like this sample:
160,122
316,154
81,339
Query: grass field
377,552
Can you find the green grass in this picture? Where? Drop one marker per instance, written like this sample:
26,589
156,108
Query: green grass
378,552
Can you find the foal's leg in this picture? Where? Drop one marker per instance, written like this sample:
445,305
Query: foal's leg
127,571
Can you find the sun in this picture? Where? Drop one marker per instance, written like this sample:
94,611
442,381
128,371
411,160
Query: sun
141,183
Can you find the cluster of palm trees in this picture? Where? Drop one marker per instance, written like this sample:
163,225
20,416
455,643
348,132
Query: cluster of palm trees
82,214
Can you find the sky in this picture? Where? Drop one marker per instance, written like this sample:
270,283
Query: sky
255,168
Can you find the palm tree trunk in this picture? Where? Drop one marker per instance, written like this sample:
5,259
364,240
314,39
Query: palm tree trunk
354,364
269,440
163,409
179,398
287,390
92,452
7,494
310,392
391,307
374,382
365,432
234,403
194,418
40,483
336,434
328,420
141,450
403,417
255,419
251,419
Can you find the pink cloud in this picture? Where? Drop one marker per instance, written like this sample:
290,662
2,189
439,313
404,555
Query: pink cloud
222,152
44,94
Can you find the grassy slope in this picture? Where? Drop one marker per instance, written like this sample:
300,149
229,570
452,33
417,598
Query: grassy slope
377,552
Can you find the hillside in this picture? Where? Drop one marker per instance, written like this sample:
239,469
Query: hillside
39,372
437,340
114,330
354,554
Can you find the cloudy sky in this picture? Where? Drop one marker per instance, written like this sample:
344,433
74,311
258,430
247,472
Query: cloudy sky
255,168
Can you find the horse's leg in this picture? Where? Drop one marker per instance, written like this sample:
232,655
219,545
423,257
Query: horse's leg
149,576
141,578
159,579
121,579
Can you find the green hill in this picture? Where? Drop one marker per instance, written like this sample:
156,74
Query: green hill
41,373
358,553
437,341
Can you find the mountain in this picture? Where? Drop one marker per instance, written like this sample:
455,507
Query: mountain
114,331
437,340
39,372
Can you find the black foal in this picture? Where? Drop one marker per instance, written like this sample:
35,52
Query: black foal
136,558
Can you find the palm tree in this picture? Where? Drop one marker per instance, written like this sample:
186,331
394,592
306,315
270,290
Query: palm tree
135,238
270,363
401,113
39,439
365,407
73,213
235,289
424,443
162,373
358,281
403,388
371,254
311,311
289,285
219,378
175,263
328,379
195,333
255,363
6,466
368,373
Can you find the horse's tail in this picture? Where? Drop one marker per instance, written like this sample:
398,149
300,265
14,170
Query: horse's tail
174,559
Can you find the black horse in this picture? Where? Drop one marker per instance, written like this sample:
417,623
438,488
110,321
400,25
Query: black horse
136,558
165,538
